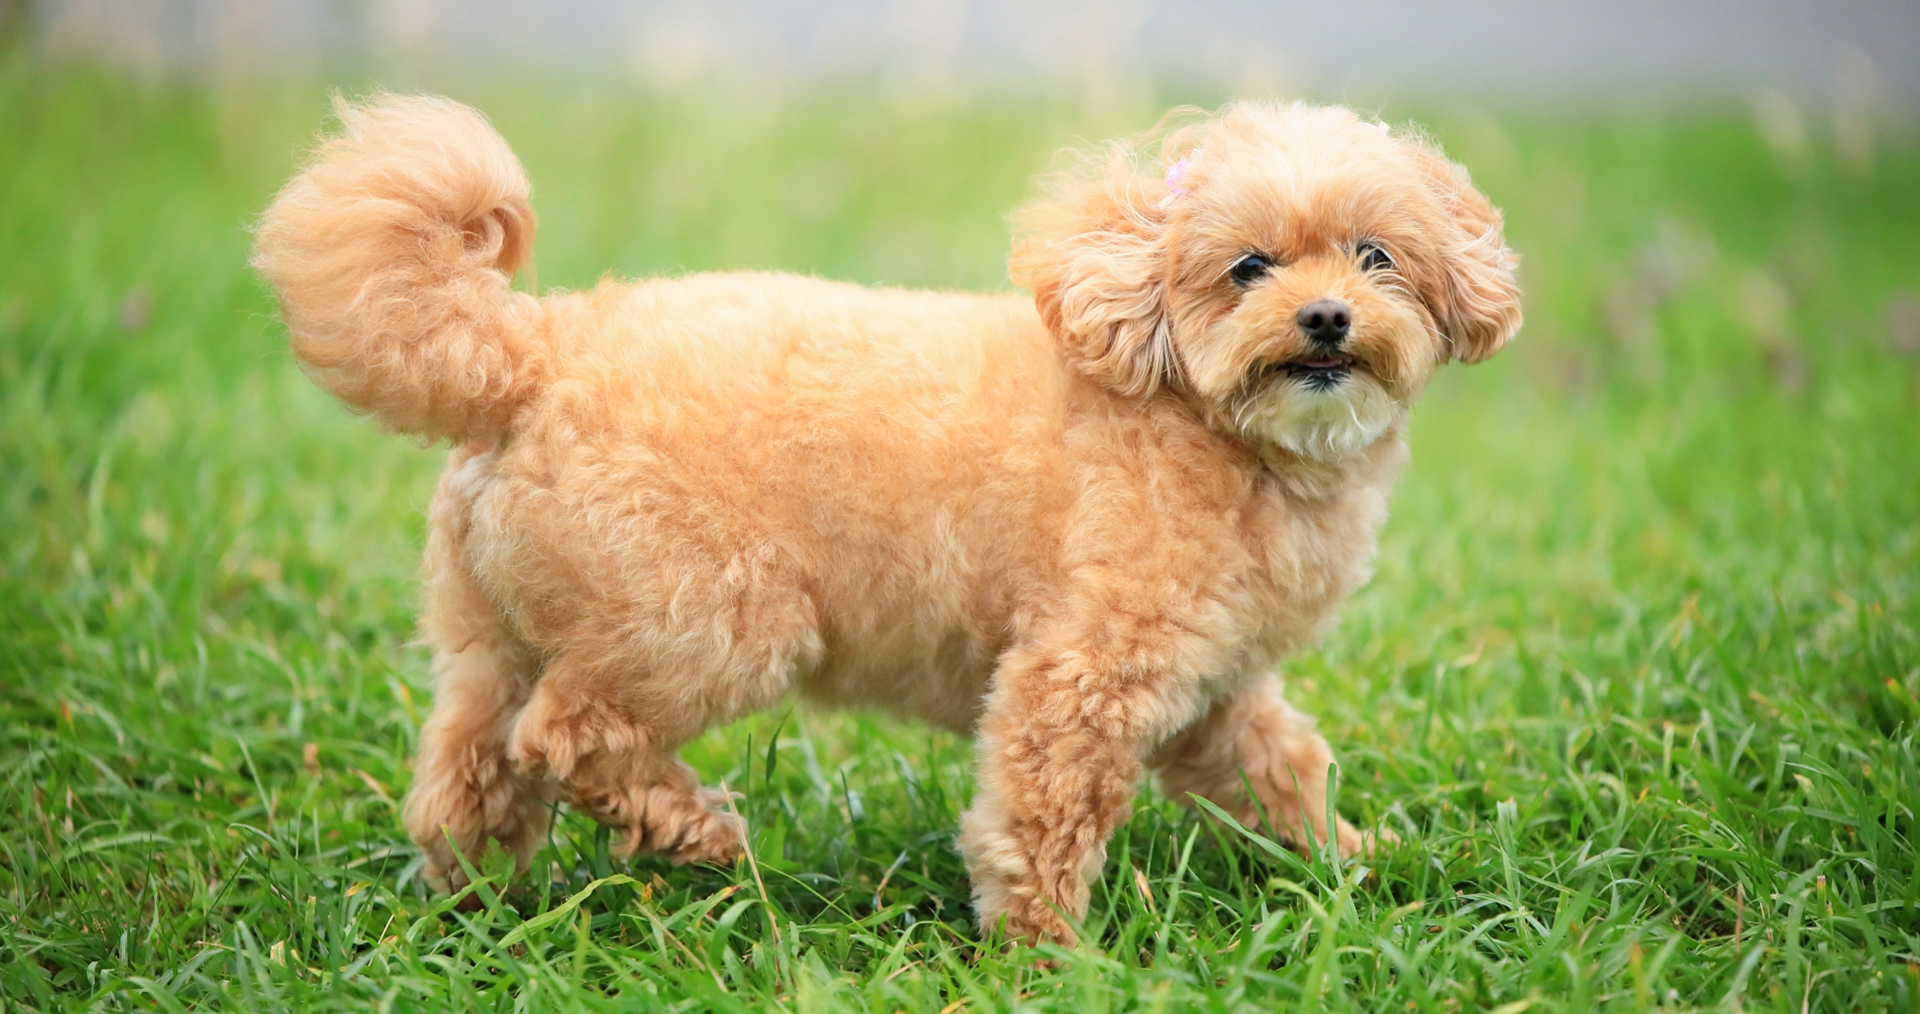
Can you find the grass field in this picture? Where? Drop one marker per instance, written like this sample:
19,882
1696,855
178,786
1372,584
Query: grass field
1637,680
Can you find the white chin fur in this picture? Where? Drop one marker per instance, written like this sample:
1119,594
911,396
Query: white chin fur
1324,424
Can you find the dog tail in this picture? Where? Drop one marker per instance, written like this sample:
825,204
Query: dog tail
393,255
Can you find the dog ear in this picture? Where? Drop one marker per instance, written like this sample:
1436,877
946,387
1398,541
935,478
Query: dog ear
1092,251
1476,301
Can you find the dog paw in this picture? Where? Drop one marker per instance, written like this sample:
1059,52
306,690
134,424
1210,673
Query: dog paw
688,829
1355,843
1377,841
716,837
1026,918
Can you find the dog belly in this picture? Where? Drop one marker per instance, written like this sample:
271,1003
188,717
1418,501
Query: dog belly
920,672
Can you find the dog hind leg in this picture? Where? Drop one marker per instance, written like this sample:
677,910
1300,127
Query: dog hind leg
583,736
464,787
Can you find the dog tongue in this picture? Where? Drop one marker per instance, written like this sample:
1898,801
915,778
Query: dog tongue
1323,364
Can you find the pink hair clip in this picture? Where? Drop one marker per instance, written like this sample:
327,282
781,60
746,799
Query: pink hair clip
1177,176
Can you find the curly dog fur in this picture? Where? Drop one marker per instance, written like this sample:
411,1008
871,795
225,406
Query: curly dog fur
1082,526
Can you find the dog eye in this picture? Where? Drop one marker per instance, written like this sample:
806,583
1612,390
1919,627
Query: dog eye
1249,269
1373,257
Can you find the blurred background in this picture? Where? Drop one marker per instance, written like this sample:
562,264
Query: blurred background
1811,82
1855,52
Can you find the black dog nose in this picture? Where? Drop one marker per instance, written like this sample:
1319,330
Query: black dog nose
1325,321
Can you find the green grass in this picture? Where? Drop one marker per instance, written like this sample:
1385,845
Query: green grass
1636,681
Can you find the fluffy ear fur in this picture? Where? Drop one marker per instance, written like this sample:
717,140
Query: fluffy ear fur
1477,303
1092,252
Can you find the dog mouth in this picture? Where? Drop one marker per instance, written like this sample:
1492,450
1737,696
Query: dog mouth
1318,373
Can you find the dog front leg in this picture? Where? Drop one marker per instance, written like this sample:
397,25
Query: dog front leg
1061,747
1253,737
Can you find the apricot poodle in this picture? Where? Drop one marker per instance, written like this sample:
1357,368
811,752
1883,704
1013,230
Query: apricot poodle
1082,526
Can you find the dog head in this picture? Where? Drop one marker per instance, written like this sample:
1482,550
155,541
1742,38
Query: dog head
1296,270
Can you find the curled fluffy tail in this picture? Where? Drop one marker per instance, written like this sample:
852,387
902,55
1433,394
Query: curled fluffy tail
393,254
